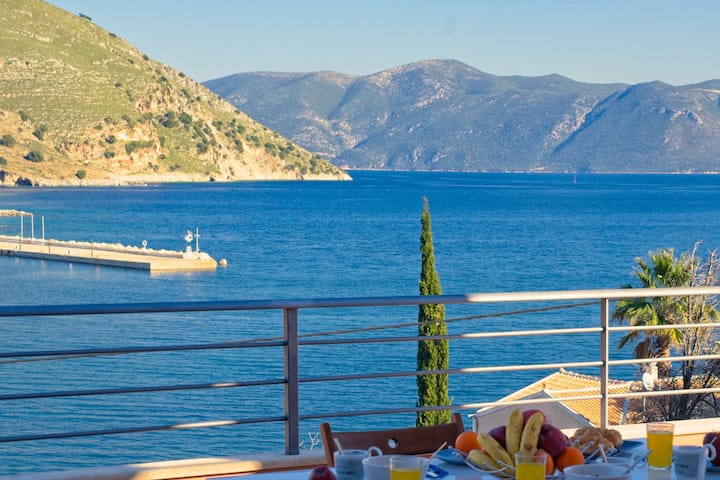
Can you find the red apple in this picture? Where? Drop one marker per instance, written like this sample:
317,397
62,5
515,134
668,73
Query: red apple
322,473
552,440
528,413
498,433
714,439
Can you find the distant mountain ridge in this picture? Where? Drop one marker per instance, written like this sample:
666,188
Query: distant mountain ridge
446,115
80,106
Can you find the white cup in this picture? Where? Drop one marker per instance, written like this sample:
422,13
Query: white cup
689,462
349,463
377,467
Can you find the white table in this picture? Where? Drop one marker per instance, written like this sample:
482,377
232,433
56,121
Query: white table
457,472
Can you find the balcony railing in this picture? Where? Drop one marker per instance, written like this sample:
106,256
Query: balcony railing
595,307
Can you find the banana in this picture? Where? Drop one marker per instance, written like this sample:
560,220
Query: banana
482,459
531,433
494,449
513,432
485,462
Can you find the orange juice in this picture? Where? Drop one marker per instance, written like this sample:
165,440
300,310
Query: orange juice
405,475
660,442
530,471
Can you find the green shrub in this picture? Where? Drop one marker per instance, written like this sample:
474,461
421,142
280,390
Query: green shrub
169,120
134,145
23,115
8,140
34,156
202,148
110,139
40,132
3,161
186,118
81,174
109,153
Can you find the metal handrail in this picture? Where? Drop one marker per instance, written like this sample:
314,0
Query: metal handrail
291,342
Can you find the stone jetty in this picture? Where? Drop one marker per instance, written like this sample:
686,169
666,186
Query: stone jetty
113,255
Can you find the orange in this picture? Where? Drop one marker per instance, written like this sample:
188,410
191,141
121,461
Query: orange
549,463
571,456
467,441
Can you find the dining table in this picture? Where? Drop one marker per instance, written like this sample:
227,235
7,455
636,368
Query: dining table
456,471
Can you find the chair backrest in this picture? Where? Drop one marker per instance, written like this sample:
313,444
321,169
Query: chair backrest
401,441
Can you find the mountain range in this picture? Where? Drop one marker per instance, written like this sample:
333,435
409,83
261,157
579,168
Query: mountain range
445,115
79,106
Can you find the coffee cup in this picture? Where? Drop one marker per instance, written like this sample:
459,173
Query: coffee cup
377,467
349,463
689,462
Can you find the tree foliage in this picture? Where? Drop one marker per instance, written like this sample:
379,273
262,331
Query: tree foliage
432,355
666,270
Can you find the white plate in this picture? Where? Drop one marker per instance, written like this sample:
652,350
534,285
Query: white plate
448,456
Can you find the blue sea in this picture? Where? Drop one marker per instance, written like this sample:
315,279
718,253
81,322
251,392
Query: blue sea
491,233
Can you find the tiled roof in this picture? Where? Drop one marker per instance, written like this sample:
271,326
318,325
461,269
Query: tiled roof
563,384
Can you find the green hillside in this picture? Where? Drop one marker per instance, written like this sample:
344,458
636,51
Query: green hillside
80,105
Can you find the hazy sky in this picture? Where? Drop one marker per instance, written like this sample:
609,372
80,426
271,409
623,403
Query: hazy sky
604,41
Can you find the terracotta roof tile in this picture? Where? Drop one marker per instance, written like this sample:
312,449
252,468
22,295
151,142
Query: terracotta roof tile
563,383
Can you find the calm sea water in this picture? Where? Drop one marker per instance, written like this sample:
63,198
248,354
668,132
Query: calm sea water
492,232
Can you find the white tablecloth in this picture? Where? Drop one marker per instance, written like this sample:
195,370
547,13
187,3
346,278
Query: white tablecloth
459,472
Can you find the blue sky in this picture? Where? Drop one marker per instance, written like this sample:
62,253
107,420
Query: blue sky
601,41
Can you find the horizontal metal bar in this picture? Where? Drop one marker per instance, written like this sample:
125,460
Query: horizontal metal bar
503,297
148,349
461,336
664,359
671,326
663,393
467,406
114,391
149,428
415,373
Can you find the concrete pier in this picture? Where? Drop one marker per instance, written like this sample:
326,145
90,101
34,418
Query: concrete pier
106,254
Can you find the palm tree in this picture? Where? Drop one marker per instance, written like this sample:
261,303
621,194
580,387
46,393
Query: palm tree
664,271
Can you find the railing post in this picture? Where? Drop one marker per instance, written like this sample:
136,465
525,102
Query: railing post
604,358
292,385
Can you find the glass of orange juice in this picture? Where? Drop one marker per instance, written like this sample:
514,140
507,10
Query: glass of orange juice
530,466
659,441
405,467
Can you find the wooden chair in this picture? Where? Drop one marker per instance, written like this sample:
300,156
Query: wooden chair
401,441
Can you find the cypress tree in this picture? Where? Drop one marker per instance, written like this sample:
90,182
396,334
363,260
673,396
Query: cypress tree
431,354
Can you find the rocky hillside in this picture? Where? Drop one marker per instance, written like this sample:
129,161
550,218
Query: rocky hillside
79,105
445,115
